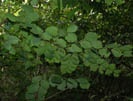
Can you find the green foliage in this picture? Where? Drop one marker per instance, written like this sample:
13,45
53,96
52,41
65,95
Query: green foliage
38,89
84,84
75,46
71,37
72,28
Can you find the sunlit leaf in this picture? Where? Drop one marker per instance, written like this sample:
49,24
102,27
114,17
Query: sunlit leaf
72,28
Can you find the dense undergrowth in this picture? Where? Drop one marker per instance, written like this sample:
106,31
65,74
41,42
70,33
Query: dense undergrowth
66,50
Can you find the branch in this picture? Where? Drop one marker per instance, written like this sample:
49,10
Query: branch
55,94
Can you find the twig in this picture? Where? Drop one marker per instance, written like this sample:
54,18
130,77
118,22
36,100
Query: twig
54,95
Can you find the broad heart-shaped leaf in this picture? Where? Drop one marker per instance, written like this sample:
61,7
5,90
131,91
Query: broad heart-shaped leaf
116,73
35,41
98,0
91,36
119,2
38,89
71,37
96,44
62,86
72,28
49,52
36,79
33,88
71,83
74,48
34,2
61,42
93,67
53,54
54,4
11,39
85,44
52,30
55,80
127,50
108,72
44,85
116,52
36,29
127,53
69,63
109,2
11,17
83,83
89,58
114,45
104,52
58,55
27,14
46,36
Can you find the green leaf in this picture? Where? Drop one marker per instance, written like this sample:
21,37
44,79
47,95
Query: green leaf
96,44
58,55
62,86
112,67
109,2
52,30
91,36
11,17
55,80
36,29
42,91
74,48
11,39
126,48
61,42
69,63
34,2
44,84
117,73
119,2
33,88
108,72
90,58
84,83
127,53
72,28
54,4
35,41
71,37
71,83
85,44
104,52
40,96
116,52
27,14
98,0
93,67
46,36
36,79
